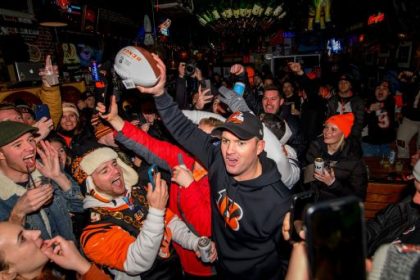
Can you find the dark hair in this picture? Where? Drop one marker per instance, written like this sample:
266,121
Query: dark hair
275,123
273,88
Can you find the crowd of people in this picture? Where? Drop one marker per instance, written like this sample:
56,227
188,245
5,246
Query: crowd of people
228,164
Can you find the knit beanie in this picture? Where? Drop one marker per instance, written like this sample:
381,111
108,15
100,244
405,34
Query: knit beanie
70,107
101,129
84,165
344,122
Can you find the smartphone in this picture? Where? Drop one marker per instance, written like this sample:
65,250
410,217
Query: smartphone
335,236
94,71
42,110
205,84
300,202
152,172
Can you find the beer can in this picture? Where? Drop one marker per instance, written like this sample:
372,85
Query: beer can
392,156
319,165
204,246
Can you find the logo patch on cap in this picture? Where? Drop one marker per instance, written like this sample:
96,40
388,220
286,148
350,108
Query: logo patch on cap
237,118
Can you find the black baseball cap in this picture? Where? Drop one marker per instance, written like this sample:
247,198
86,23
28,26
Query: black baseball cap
244,125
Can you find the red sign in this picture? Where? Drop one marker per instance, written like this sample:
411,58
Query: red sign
373,19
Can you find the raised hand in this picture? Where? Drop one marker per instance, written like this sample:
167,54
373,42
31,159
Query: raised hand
50,166
158,197
44,125
49,74
159,88
182,176
237,69
202,98
112,116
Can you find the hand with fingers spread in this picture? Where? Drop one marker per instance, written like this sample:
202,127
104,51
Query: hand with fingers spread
159,88
327,177
50,165
64,253
44,125
158,197
202,98
182,176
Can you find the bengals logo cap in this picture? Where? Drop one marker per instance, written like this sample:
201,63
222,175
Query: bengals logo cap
244,125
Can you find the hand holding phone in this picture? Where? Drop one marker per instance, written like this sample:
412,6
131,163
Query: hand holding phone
335,239
300,202
42,110
157,193
152,172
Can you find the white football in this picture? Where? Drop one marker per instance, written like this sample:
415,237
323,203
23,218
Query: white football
136,67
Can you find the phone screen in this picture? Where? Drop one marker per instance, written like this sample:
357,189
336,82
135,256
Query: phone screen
42,110
152,172
335,239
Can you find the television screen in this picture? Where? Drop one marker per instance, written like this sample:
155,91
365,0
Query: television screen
334,46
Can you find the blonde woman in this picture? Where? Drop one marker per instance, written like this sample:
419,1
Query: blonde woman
344,172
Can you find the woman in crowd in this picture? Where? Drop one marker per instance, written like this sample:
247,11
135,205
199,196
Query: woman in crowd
24,255
70,127
344,172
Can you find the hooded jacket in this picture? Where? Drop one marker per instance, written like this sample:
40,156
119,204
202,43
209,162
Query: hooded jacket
246,216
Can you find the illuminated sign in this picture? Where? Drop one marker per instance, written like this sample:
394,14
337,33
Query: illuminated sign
373,19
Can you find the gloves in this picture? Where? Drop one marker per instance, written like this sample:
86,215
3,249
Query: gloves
235,102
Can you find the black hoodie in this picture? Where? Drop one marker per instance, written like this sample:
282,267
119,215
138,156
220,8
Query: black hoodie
249,240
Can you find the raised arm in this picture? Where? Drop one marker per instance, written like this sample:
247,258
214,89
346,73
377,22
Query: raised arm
184,131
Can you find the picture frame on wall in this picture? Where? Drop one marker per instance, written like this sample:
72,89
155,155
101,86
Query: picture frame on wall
404,52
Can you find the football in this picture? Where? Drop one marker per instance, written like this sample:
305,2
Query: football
136,67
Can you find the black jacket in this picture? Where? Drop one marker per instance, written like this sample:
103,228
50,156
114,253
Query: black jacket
246,216
390,223
357,108
378,135
349,169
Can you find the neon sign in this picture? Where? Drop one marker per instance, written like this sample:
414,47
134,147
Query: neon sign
373,19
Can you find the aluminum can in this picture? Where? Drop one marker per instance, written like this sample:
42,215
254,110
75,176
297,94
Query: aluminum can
319,165
391,157
204,246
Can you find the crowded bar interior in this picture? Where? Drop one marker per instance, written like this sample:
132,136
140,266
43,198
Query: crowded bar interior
309,167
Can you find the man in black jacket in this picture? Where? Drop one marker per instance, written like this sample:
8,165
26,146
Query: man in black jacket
397,222
346,101
249,200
